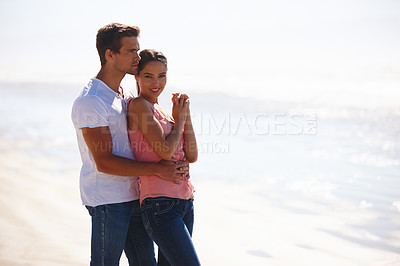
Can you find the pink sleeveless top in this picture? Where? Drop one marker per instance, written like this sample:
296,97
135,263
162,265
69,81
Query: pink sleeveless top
153,186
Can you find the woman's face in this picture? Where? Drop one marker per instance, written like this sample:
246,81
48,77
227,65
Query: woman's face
152,80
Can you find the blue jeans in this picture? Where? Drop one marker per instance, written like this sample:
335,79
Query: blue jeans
169,222
117,227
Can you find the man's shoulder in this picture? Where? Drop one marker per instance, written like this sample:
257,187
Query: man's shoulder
88,99
89,111
92,92
94,87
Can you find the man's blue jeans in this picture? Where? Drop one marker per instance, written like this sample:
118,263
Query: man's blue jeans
169,222
118,227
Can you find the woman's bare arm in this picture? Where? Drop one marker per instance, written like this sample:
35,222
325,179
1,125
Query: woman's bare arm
100,145
190,143
151,128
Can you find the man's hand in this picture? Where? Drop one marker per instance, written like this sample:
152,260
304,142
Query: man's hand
173,171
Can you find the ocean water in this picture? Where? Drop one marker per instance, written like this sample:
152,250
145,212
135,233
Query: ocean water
240,139
293,154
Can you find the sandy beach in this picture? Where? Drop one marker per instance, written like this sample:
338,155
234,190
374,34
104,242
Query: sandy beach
43,223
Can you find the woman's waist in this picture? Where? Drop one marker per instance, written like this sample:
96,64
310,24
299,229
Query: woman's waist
152,185
149,155
155,182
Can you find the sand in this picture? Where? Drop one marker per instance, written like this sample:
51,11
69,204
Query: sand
43,222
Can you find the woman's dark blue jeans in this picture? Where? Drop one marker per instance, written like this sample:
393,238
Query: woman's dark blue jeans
169,222
117,227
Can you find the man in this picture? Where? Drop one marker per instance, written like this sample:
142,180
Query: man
108,179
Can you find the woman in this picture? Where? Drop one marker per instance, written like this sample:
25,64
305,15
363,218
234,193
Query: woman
154,135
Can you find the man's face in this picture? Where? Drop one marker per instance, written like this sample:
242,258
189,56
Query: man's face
128,58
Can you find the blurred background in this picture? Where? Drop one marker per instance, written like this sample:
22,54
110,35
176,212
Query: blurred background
295,106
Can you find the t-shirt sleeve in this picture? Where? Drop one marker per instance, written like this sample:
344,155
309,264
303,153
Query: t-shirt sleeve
90,111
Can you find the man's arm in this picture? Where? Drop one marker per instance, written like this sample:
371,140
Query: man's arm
100,145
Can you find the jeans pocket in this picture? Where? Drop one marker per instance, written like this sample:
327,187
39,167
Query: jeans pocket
163,206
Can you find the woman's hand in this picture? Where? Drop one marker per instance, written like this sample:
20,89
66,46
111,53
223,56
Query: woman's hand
189,139
180,107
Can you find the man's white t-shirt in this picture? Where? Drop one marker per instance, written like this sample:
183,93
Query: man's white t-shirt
99,106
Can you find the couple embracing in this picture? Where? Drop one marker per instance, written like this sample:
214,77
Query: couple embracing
134,179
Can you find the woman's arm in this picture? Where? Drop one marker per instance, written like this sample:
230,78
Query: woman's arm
99,142
151,128
189,143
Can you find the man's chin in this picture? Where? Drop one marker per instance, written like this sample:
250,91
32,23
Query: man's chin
132,72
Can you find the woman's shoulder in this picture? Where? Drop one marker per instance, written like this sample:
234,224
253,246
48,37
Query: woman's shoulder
139,105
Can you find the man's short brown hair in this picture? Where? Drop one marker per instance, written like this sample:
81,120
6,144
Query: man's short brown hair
109,37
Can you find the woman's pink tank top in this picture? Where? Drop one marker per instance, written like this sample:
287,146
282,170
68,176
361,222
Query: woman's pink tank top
153,186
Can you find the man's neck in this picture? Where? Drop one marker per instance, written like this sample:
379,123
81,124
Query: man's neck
111,79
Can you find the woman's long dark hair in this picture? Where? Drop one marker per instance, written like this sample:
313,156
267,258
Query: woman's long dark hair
149,55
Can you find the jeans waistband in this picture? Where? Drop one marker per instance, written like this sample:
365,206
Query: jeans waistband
167,198
176,201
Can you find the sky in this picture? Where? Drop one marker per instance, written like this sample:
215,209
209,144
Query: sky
270,49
